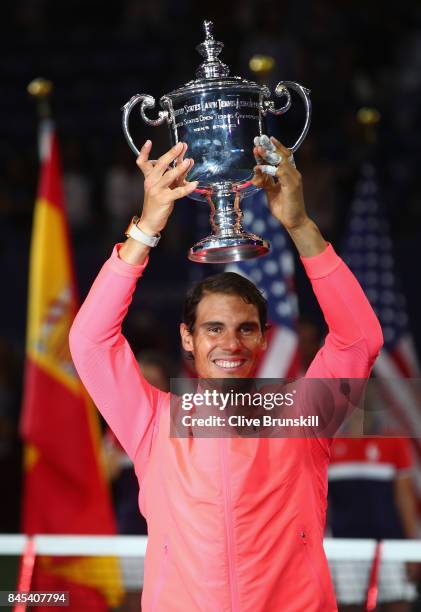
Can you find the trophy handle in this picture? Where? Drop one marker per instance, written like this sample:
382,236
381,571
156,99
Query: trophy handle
147,102
282,90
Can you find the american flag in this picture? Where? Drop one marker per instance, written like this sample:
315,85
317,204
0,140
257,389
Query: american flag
368,251
274,276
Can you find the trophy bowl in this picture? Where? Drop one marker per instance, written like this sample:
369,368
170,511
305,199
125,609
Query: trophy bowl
218,116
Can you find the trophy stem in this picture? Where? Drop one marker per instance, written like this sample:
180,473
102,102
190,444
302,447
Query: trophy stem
228,242
225,216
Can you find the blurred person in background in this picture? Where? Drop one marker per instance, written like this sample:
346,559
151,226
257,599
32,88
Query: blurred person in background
77,189
123,191
371,496
319,189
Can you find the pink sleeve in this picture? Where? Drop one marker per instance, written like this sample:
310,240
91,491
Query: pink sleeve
355,337
105,362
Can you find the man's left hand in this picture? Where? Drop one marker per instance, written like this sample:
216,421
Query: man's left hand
285,195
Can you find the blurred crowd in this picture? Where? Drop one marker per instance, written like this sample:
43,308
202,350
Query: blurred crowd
99,55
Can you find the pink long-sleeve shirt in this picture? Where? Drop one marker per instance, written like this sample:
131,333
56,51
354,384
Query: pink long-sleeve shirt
235,524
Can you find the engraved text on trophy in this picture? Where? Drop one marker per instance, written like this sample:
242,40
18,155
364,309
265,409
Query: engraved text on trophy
209,124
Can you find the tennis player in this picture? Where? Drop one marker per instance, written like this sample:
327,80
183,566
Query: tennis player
235,524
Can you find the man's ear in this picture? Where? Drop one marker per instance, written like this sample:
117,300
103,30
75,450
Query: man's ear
264,343
186,338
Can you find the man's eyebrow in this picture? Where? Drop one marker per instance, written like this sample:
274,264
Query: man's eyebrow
214,323
249,326
207,323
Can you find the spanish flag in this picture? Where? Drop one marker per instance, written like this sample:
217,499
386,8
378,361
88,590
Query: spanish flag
65,490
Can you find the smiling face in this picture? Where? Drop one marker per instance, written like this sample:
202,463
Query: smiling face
227,339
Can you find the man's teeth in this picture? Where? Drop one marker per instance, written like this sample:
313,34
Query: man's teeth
228,364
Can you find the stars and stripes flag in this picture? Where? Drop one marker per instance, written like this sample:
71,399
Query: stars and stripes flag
273,274
368,251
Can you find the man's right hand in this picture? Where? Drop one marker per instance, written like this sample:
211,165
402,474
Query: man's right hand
163,185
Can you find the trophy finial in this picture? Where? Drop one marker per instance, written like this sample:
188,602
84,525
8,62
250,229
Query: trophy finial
212,67
208,28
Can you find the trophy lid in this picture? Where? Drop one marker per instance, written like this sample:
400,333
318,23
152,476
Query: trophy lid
212,73
210,48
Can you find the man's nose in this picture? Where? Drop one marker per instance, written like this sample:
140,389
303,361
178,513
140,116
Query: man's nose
231,341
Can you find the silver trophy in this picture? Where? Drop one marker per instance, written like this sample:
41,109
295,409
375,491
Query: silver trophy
218,116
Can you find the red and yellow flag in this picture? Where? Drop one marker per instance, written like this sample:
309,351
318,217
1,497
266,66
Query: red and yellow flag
65,490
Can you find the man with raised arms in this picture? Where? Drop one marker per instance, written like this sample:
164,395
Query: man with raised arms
235,524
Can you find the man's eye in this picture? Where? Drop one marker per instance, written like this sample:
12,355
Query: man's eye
247,330
215,329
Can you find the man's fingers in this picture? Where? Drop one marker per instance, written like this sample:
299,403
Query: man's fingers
284,151
287,169
176,173
257,157
179,180
262,180
165,160
143,161
288,175
269,170
269,156
180,158
184,190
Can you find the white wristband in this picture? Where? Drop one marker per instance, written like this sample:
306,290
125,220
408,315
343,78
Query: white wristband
133,231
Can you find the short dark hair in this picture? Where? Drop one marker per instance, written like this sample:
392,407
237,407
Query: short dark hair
229,283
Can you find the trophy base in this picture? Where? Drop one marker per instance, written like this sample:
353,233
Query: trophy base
226,249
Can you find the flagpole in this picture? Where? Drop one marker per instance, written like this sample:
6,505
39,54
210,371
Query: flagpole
41,89
369,119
